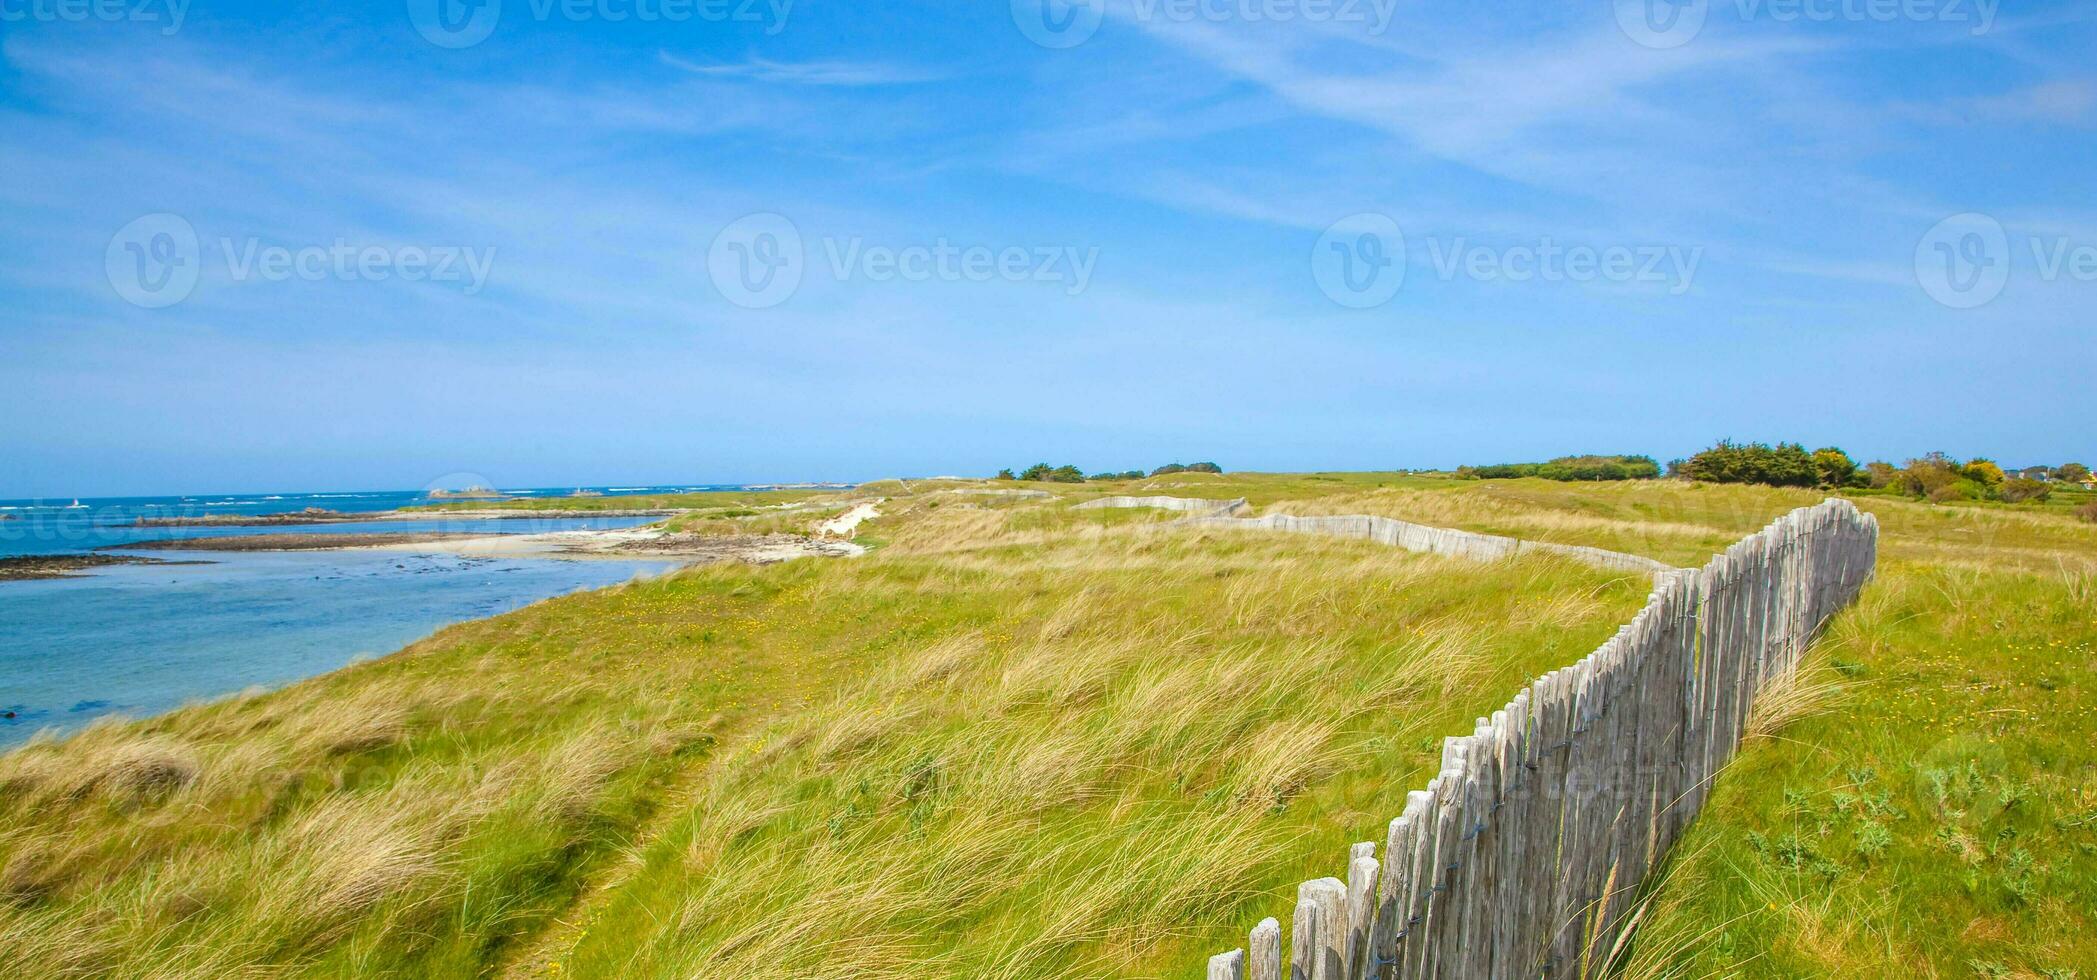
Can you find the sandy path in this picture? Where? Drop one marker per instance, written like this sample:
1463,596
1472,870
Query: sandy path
844,524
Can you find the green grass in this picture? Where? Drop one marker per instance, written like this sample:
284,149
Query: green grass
1113,781
1939,819
1022,740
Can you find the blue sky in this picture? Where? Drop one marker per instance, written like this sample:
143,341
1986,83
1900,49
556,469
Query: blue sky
1191,197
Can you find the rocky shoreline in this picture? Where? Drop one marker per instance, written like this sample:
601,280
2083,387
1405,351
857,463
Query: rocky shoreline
311,515
294,542
315,515
29,568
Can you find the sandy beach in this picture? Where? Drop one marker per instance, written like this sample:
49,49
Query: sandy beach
651,541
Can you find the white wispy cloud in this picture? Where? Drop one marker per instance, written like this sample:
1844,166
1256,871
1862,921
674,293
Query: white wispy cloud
844,74
2068,101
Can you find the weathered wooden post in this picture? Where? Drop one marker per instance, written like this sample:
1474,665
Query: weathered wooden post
1361,911
1330,897
1266,959
1303,940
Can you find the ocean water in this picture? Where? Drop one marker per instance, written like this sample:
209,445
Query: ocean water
142,639
55,526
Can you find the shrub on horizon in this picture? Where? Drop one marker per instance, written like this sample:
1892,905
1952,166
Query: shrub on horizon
1067,473
1171,468
1835,467
1931,473
1044,473
2020,489
1961,489
1983,471
1569,469
1786,464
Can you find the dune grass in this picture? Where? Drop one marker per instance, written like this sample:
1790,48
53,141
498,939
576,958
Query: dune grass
1014,738
1019,740
1099,785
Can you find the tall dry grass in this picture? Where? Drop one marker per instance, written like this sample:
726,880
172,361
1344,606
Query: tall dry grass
1162,727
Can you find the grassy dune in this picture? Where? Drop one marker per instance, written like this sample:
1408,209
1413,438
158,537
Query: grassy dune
1018,740
1013,739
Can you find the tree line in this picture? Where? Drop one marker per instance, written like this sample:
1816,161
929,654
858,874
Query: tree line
1936,477
1067,473
1569,468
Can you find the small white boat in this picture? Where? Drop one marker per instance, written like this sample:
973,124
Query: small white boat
76,505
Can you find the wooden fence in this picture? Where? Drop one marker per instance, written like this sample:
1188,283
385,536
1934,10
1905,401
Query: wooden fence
1188,505
1521,858
1421,537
